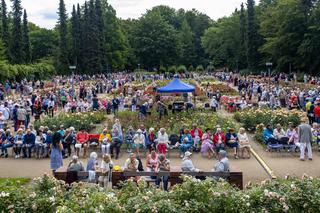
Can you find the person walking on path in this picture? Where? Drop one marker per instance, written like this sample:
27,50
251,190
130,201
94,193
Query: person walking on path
56,152
305,138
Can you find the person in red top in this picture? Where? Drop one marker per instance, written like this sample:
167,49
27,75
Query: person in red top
316,112
219,140
82,142
196,134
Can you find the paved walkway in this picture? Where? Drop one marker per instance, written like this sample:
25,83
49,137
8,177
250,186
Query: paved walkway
10,167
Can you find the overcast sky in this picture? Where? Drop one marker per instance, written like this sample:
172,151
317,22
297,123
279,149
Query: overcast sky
44,12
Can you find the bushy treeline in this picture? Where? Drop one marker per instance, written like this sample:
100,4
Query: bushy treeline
284,32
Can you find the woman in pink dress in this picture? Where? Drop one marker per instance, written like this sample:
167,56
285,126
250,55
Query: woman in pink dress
207,144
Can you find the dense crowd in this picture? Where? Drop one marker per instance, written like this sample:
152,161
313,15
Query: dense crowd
24,102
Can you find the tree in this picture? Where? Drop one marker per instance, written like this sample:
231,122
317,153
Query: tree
252,36
5,29
16,50
242,59
63,59
187,52
222,41
283,28
44,42
75,34
101,33
155,41
26,40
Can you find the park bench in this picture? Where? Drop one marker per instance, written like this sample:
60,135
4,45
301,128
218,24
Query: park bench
234,177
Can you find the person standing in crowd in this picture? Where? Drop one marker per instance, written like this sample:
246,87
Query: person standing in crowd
305,138
21,115
106,170
56,152
163,165
163,141
129,139
116,143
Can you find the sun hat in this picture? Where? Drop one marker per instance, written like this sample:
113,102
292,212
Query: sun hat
187,154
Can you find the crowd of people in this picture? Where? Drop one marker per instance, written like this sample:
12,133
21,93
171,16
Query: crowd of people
25,102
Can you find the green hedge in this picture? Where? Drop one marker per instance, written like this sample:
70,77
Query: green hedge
37,71
49,195
85,120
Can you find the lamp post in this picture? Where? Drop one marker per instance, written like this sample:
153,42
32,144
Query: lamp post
269,66
210,69
138,67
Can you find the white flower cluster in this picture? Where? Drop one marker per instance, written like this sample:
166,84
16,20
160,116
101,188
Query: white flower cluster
4,194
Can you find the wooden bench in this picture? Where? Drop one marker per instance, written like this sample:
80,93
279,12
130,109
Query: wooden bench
234,177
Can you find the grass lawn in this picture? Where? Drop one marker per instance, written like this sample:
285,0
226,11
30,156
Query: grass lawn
13,182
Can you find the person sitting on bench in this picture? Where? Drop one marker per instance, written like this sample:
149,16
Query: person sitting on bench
82,142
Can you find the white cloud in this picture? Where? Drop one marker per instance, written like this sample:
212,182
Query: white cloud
43,12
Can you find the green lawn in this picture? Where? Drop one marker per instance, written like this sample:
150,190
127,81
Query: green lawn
13,182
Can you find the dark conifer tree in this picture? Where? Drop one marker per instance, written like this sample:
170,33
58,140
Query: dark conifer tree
5,29
26,39
63,61
16,49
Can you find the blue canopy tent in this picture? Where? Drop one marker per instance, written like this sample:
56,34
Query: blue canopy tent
176,86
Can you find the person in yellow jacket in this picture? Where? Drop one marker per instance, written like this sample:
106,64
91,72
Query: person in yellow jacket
105,141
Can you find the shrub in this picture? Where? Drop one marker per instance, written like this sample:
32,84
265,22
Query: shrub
174,122
85,121
182,69
162,69
199,68
250,118
191,68
49,195
172,69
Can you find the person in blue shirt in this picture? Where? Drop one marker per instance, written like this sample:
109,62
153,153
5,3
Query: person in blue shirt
6,141
268,135
232,141
29,140
186,142
116,143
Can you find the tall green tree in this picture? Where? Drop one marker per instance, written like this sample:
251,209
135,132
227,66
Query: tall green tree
252,36
101,33
16,50
94,48
26,39
186,50
5,35
75,34
155,41
242,59
63,54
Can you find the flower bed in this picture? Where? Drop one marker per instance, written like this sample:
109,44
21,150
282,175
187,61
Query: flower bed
250,118
224,88
174,122
49,195
85,120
